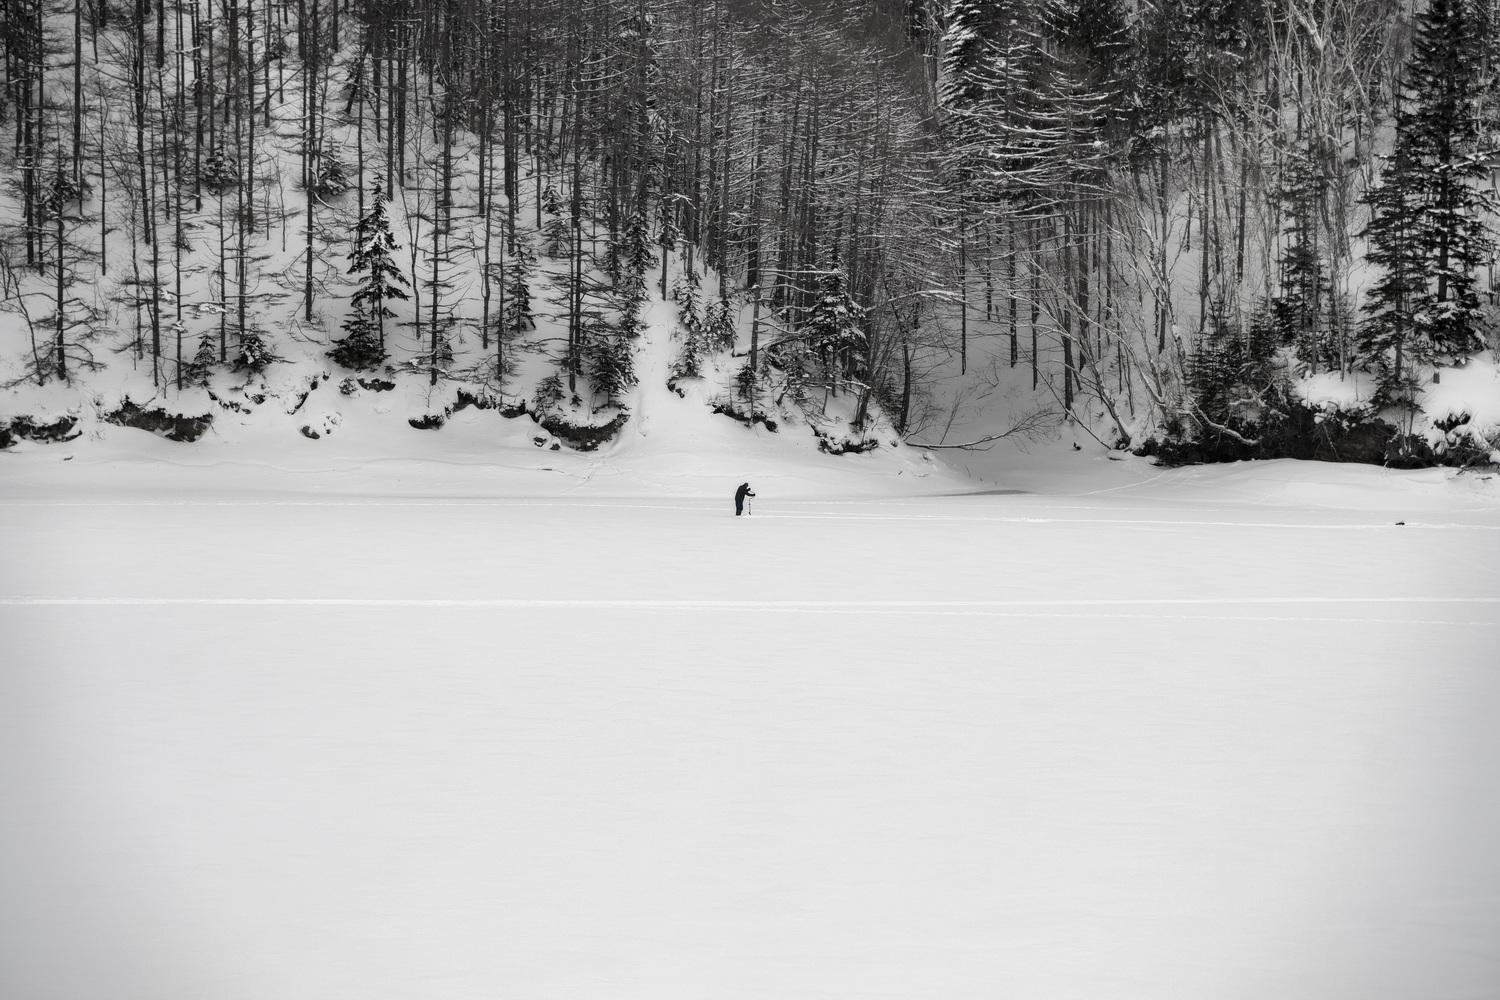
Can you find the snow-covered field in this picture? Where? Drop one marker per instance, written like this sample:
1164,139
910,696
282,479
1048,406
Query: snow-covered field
298,725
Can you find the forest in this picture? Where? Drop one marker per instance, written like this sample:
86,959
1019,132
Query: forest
1199,229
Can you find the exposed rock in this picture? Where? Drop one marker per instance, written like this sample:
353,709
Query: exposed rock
172,426
583,437
482,400
478,399
60,429
730,410
833,446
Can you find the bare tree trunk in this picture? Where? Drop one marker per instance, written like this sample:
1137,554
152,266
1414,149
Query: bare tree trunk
78,95
963,288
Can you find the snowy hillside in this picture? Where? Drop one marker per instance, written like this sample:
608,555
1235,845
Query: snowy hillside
226,311
886,228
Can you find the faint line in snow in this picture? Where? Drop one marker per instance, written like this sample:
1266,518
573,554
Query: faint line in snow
716,507
713,605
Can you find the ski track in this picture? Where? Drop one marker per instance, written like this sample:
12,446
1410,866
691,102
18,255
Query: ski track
714,506
1029,609
736,605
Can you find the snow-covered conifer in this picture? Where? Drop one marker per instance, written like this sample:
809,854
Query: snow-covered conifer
200,370
363,347
517,317
555,235
1448,76
255,354
834,327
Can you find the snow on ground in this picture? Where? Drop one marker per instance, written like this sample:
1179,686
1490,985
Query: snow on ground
404,714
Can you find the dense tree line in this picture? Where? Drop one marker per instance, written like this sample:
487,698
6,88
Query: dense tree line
1199,183
1157,211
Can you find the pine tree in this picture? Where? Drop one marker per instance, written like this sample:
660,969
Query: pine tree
610,355
976,35
555,233
834,327
549,393
516,317
200,370
637,256
1233,378
1387,337
363,346
718,326
689,363
1446,76
220,171
1301,308
988,90
255,354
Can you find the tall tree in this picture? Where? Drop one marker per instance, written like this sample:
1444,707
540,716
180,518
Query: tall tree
363,346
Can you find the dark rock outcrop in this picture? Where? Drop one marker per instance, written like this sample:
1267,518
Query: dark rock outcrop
61,429
172,426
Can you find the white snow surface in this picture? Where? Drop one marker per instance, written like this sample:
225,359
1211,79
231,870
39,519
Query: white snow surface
404,714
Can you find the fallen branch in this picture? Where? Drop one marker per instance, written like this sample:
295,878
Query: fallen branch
1029,425
1229,432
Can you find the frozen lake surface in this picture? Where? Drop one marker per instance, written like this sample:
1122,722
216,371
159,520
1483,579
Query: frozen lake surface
1225,734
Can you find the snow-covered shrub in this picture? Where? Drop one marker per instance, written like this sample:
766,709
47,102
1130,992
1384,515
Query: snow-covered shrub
200,370
549,393
255,354
220,171
360,350
331,179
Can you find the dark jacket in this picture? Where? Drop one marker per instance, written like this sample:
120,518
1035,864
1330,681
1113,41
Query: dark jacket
741,493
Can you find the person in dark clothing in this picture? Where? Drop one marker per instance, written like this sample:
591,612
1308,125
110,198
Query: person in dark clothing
739,498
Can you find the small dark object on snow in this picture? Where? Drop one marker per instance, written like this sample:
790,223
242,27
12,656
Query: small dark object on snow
1400,523
739,498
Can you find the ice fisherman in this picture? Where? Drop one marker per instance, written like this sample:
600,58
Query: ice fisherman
739,498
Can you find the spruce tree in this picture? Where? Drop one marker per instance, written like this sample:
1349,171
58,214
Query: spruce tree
220,172
255,354
718,326
611,352
610,355
976,32
363,346
1301,308
834,327
1447,79
988,90
1396,218
555,232
516,317
200,370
